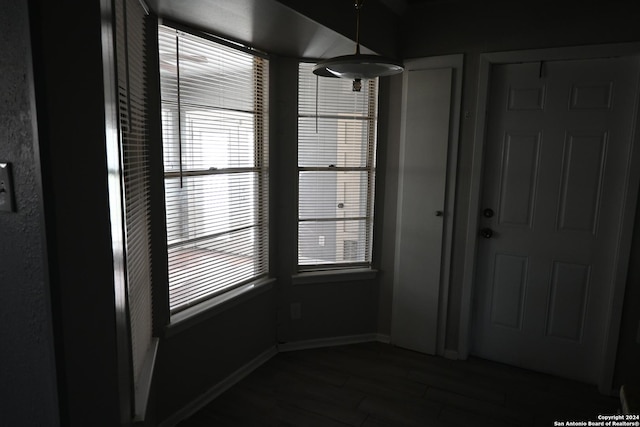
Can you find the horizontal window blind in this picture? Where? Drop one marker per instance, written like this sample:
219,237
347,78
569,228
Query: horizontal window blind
131,21
214,119
336,170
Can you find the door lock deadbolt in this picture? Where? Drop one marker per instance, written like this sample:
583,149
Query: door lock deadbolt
488,213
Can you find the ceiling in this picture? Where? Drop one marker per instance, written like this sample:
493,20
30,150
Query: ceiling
296,28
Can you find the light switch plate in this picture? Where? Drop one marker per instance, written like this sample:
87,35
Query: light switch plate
6,188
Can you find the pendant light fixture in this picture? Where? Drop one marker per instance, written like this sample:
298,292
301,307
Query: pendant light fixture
359,66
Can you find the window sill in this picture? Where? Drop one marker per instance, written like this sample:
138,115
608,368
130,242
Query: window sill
330,276
209,308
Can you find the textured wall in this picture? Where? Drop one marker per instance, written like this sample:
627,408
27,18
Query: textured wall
196,359
330,309
27,371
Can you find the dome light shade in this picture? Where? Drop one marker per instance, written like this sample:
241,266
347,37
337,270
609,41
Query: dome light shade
358,66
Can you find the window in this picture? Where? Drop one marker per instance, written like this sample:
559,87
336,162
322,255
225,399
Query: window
214,127
336,171
134,163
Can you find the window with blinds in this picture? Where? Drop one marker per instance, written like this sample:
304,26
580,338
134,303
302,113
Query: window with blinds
214,127
336,171
134,154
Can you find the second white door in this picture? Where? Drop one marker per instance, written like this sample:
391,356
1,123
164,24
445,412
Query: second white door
558,141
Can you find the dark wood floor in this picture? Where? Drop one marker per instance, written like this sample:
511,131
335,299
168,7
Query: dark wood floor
378,385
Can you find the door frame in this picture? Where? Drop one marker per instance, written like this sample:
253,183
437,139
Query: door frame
616,295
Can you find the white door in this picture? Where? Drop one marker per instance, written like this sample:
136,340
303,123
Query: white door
423,174
558,139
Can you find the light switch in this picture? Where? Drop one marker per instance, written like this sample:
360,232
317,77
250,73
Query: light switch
6,188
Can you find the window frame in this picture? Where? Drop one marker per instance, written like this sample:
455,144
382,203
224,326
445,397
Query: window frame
261,200
341,271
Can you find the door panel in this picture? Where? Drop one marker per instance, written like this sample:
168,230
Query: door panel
596,96
527,97
566,311
422,194
556,148
584,157
509,285
519,169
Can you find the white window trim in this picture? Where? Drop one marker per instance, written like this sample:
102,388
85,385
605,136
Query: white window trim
191,316
334,276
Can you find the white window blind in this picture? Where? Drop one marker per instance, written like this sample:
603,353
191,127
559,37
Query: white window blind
336,170
214,120
134,155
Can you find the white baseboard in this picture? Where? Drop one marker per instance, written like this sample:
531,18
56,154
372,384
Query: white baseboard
215,391
245,370
451,354
333,341
383,338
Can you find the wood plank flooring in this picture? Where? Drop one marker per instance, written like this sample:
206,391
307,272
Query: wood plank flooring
379,385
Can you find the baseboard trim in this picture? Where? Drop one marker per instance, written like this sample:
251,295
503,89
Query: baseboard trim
383,338
331,342
215,391
451,354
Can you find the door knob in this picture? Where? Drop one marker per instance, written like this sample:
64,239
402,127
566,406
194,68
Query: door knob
439,213
487,233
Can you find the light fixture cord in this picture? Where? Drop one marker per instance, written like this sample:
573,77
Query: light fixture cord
358,6
179,108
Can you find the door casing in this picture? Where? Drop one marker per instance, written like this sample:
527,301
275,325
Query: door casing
616,296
